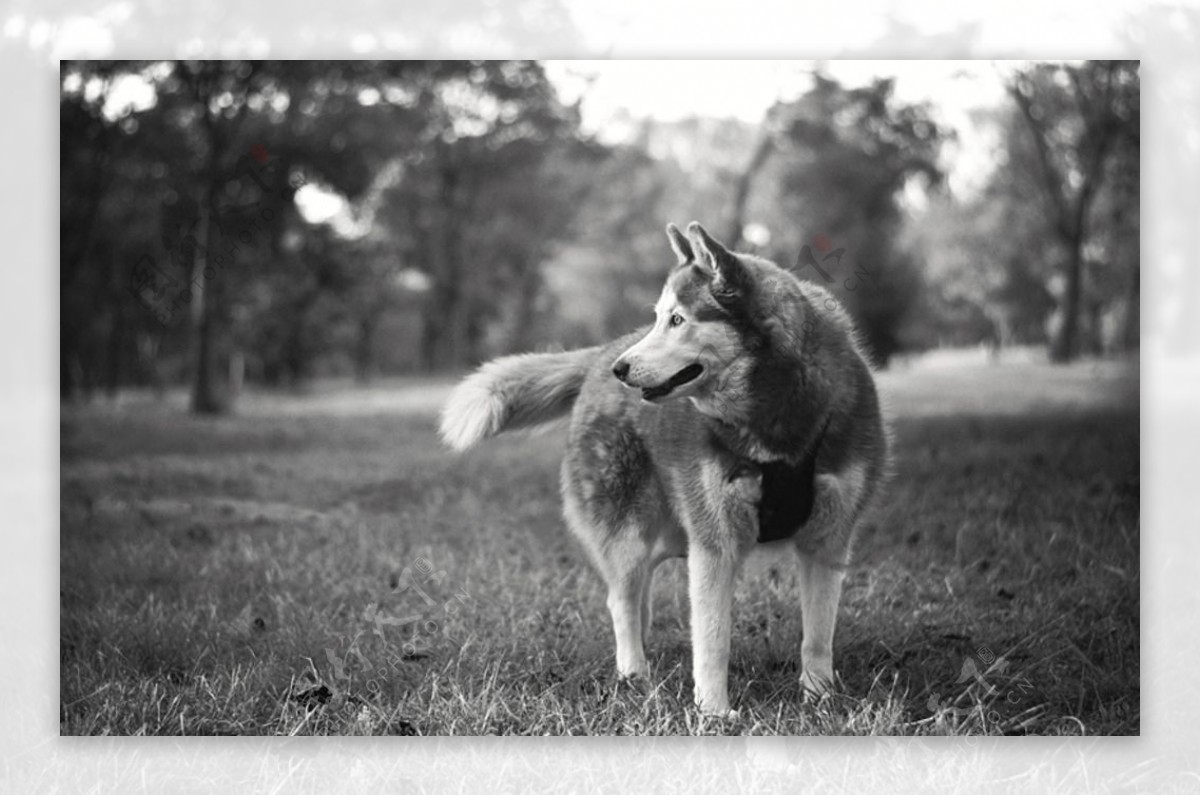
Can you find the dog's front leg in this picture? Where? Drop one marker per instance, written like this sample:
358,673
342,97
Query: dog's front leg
719,537
711,573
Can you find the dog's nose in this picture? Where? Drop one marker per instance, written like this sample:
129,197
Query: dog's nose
621,369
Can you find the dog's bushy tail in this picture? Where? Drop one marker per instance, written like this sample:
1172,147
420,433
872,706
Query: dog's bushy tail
514,392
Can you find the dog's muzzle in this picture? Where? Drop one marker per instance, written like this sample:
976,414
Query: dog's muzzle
690,373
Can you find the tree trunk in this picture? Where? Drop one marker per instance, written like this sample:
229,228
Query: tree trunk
1066,344
737,223
116,347
207,397
80,377
364,347
431,330
440,318
148,367
1131,323
445,331
1092,333
526,316
457,342
447,315
1000,334
237,373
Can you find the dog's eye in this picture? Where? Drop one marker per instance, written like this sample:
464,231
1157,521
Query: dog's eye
675,320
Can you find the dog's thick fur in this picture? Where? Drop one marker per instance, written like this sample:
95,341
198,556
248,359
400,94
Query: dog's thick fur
747,414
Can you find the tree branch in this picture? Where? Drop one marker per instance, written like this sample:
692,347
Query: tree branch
1051,179
766,145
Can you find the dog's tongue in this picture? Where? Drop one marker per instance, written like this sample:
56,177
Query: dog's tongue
682,377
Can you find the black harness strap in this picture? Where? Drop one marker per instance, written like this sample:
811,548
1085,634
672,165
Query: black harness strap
788,493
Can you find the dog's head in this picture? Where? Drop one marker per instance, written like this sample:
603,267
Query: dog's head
695,339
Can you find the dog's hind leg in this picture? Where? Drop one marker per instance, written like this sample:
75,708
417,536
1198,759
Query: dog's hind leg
660,554
626,604
820,591
647,605
822,568
621,552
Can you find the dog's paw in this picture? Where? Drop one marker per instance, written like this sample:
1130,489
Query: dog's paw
816,684
716,707
635,672
721,714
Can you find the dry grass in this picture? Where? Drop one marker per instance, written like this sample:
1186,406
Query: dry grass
322,566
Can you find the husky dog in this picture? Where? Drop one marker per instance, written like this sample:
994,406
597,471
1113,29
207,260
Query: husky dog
745,416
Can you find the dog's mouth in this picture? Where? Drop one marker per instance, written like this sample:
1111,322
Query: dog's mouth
690,373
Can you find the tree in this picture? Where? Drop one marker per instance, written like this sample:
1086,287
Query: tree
249,125
838,160
609,273
219,93
483,205
466,171
981,285
111,162
86,178
1076,116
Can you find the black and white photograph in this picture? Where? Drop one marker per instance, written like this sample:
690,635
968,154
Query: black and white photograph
605,398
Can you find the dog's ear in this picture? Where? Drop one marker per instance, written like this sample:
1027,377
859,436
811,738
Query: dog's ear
729,274
680,245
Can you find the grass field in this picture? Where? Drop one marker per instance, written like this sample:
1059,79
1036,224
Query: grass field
320,565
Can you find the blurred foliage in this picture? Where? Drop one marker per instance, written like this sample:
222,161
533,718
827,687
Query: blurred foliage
452,170
479,219
839,160
1077,137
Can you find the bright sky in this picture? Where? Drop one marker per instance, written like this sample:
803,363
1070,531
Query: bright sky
614,91
667,90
